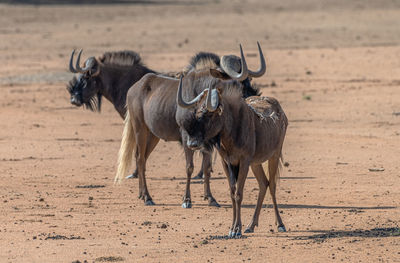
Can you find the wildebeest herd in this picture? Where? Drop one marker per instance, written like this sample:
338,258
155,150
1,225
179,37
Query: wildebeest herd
211,104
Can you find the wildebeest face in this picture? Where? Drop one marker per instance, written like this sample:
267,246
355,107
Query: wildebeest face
74,88
199,119
200,128
85,88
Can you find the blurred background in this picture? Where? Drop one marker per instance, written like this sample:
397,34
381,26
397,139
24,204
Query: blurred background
39,35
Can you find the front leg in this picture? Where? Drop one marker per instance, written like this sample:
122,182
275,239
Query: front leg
242,175
187,201
200,175
206,168
232,190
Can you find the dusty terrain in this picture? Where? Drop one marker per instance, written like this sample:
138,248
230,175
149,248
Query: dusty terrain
334,66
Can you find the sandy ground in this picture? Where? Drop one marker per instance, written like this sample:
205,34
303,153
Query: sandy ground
335,66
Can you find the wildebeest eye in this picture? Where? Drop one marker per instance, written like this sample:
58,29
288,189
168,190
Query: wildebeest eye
71,86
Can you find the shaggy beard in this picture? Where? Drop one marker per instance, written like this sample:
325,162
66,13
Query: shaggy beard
213,143
94,103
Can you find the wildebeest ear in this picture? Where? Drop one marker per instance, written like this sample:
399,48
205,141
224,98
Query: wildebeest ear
218,74
95,69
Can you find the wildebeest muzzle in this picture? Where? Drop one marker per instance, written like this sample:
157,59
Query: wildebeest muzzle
193,143
75,100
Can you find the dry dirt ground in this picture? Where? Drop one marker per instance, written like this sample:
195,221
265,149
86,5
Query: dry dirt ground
334,66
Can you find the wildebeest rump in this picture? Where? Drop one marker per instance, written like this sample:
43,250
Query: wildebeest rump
151,105
246,133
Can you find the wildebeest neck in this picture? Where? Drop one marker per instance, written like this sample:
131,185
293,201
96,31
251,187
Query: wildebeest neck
117,80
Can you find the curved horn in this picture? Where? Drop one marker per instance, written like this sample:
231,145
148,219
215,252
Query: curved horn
71,68
212,99
244,72
78,61
181,102
261,70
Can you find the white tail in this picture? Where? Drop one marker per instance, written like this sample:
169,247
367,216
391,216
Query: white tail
128,144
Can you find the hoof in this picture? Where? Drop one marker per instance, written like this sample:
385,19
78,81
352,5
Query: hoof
198,177
187,204
249,230
131,176
213,202
238,235
281,229
149,203
233,234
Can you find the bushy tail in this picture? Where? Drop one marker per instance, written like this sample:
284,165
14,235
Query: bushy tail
128,144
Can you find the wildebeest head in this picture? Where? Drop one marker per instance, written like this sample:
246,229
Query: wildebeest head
201,119
85,87
199,125
229,67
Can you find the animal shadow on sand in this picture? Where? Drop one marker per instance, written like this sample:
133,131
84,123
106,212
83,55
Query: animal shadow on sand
224,178
324,235
355,209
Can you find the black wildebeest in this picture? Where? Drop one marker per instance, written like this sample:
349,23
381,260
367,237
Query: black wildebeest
246,133
151,105
110,76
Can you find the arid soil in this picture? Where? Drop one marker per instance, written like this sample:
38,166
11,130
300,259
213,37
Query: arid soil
333,65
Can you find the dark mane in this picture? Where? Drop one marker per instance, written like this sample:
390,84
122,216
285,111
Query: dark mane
204,57
202,60
121,58
232,89
250,89
207,60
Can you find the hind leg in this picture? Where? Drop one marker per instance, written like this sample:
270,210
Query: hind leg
152,142
144,139
135,173
273,169
262,185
